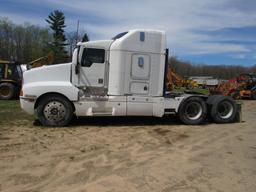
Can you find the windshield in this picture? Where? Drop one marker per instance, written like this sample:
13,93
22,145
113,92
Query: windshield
119,35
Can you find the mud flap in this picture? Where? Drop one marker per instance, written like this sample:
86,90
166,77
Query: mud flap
238,118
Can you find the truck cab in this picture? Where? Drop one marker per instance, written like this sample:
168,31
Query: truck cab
123,76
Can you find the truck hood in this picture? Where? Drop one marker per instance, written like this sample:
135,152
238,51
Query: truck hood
59,72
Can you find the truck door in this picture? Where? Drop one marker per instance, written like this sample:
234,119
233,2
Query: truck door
92,74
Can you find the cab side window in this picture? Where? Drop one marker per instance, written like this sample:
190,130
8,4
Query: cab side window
91,55
12,72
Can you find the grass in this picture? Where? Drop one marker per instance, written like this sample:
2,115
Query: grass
11,114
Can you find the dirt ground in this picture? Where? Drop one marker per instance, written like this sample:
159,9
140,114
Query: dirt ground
130,155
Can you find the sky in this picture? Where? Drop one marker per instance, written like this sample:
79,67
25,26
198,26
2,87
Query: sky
200,31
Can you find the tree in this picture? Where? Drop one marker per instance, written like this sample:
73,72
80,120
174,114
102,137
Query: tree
85,37
23,43
56,19
185,68
73,38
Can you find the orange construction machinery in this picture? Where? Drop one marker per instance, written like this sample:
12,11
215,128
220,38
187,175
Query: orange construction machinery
241,87
173,81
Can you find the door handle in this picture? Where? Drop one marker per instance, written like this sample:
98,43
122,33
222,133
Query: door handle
100,81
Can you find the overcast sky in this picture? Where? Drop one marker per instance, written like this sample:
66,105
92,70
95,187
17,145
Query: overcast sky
200,31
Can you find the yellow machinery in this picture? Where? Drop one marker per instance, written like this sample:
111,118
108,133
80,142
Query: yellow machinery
174,81
11,75
46,60
10,79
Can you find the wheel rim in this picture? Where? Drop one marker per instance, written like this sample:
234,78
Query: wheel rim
54,111
5,91
193,110
225,110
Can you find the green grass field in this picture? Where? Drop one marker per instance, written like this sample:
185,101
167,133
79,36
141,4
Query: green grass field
11,114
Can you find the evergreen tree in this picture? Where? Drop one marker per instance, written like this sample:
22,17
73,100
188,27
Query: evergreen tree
85,37
56,19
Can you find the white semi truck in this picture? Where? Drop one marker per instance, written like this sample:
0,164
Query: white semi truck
124,76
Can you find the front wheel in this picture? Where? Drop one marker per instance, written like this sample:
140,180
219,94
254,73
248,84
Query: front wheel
192,111
54,110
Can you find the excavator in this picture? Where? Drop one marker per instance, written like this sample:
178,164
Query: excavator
11,75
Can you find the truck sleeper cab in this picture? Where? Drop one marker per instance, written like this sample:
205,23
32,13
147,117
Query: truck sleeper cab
124,76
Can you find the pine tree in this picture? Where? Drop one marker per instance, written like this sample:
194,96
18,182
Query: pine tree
56,19
85,37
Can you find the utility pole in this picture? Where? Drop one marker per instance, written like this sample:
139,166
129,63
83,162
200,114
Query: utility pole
77,31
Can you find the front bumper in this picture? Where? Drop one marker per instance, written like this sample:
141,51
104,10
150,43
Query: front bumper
28,104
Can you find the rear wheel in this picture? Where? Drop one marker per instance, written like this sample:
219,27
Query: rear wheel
7,91
192,111
224,110
54,110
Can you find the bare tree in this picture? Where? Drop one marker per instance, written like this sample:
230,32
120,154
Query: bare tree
185,68
72,40
22,42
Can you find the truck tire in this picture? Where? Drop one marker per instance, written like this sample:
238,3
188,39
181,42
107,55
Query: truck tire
7,91
192,111
224,110
55,111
